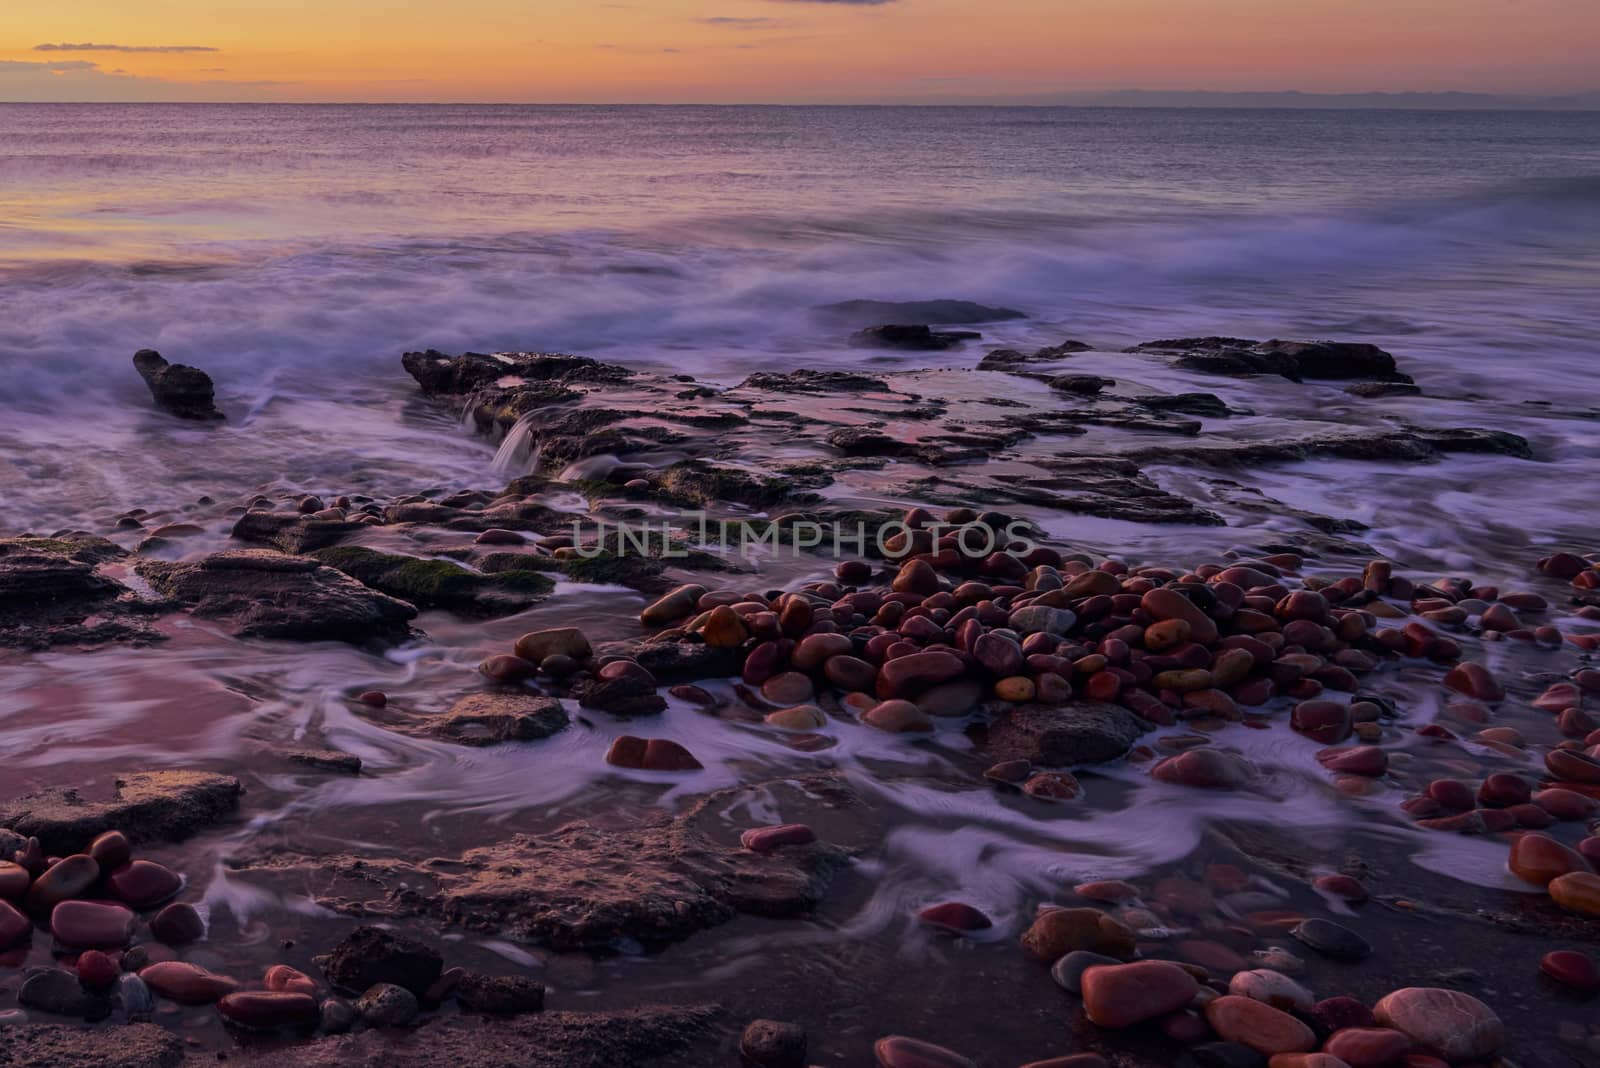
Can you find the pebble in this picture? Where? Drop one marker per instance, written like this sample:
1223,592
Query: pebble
284,979
91,925
955,917
1331,939
14,926
1057,932
1332,1014
53,990
897,716
111,850
797,718
133,994
1109,890
14,880
770,839
1449,1023
337,1016
1264,1029
1068,971
1122,995
96,970
1571,968
1367,1047
535,645
178,924
1537,858
144,883
1327,722
773,1044
268,1009
1577,891
897,1051
186,983
1209,769
387,1005
67,878
1272,988
654,754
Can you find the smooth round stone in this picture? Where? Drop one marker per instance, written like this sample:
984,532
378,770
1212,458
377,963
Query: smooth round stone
14,880
1263,1028
134,995
1341,886
267,1009
1057,932
14,926
1225,1055
96,970
1538,858
1327,722
110,850
282,978
178,924
53,990
1564,804
1331,940
1333,1014
387,1005
1571,968
797,718
773,1044
1453,1025
1109,890
144,883
1502,790
64,880
1121,995
897,1051
1208,769
850,672
1367,760
1068,971
1272,988
1279,960
769,839
1368,1047
1577,891
955,917
788,688
91,925
338,1016
186,983
897,717
506,668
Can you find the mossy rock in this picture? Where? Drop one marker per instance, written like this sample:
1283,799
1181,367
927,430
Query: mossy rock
697,483
439,583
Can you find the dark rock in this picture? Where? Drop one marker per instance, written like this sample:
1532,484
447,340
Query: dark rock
1082,385
262,594
387,1005
51,593
140,1045
442,375
1295,360
1331,939
672,662
57,991
773,1044
625,695
1083,732
910,338
808,381
863,313
1206,404
147,806
1383,389
696,482
865,441
371,955
182,390
292,532
439,583
499,995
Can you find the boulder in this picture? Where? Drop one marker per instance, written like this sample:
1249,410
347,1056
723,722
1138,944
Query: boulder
184,391
147,806
1081,732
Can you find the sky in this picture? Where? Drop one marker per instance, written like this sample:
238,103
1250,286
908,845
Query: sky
783,51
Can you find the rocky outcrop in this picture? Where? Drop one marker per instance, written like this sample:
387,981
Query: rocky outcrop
147,806
858,314
1084,732
52,592
184,391
139,1045
481,719
439,583
1294,360
910,338
260,594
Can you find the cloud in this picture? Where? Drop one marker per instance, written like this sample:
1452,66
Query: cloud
854,3
733,22
87,47
85,81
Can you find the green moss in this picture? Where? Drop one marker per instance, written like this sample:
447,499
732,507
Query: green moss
440,583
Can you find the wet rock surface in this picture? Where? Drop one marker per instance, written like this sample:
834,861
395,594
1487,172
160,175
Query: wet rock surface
184,391
147,806
52,1045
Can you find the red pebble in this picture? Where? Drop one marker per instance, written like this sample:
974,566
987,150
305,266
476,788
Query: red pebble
1571,968
955,917
768,839
96,970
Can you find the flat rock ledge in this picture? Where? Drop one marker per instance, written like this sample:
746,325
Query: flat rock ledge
139,1045
1083,732
675,1035
257,593
147,806
584,887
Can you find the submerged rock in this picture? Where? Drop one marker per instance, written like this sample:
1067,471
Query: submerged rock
52,593
147,806
439,583
910,338
370,956
480,719
184,391
1083,732
864,313
262,594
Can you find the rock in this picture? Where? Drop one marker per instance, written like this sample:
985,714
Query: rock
1209,769
1057,932
862,313
906,676
140,1045
96,970
480,719
1448,1023
1331,940
1577,891
1272,988
910,338
387,1005
59,992
1327,722
1080,732
773,1044
1121,995
798,718
1475,681
897,717
1367,1047
91,925
1264,1029
370,956
134,995
1041,619
185,983
1331,1014
14,881
654,754
110,850
143,883
1369,760
897,1051
1164,603
178,925
653,882
677,604
499,995
954,917
67,878
1570,766
261,594
536,645
184,391
337,1016
284,979
1052,786
14,926
1571,968
149,806
1538,858
268,1009
768,839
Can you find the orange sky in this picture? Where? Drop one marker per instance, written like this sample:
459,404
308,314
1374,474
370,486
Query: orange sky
783,50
